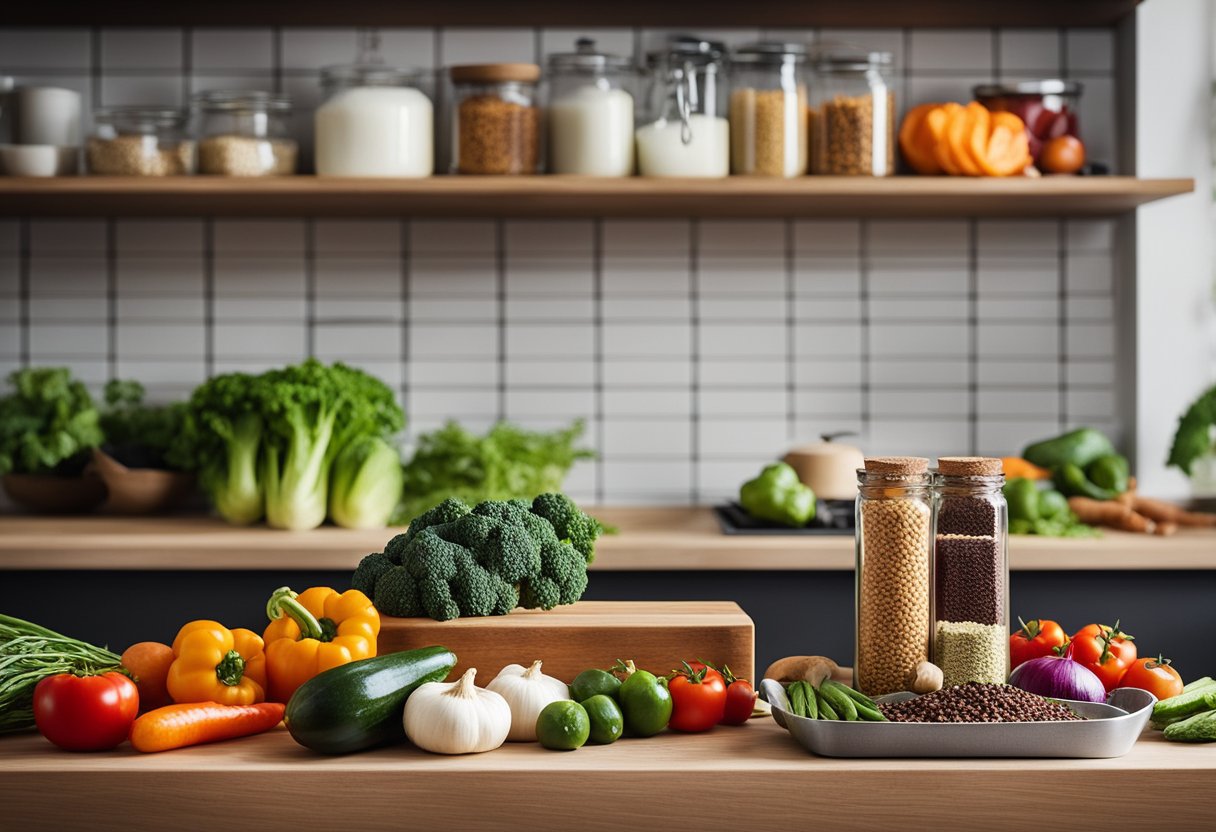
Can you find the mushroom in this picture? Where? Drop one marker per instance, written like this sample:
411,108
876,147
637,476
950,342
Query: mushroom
813,669
925,678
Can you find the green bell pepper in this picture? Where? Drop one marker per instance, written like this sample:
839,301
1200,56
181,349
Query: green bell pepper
1052,505
1079,447
1022,495
778,495
1109,472
1071,480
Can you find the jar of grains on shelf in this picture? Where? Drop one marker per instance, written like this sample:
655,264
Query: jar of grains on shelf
970,571
244,134
852,115
497,125
768,110
893,553
140,141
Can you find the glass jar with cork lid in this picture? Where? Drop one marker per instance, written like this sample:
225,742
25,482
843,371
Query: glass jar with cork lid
852,114
970,571
893,539
496,127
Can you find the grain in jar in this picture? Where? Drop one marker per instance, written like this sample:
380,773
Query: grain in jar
244,133
497,124
140,141
970,571
852,117
768,110
894,520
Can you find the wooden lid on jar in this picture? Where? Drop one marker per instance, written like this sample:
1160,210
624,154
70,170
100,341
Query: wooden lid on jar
968,466
495,73
903,466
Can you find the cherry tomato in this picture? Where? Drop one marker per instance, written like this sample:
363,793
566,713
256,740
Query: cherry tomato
1063,154
698,698
86,713
740,700
1107,651
1153,675
1038,637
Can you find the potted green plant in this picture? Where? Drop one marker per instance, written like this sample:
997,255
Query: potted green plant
48,426
1193,450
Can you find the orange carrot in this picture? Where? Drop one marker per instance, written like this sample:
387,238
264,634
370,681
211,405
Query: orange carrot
177,726
1110,513
1164,512
1015,466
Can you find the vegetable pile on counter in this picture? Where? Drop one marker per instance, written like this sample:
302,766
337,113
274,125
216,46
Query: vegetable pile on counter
295,445
507,463
1191,715
459,561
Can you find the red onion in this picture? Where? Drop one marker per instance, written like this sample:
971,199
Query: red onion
1059,677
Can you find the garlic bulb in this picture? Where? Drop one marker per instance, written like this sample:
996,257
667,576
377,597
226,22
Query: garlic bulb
527,691
456,717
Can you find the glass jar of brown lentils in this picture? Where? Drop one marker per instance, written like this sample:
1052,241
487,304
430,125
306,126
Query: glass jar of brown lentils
496,127
894,521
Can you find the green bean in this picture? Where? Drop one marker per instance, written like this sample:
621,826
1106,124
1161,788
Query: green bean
841,702
826,711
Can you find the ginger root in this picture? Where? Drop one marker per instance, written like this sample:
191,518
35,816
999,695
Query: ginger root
926,678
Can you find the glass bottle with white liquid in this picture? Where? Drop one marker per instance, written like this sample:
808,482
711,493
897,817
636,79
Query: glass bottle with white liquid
590,112
685,131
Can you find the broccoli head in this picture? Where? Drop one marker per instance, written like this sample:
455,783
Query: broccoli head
487,560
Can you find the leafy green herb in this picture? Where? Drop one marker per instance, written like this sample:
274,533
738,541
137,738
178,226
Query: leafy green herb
137,434
1193,438
47,424
507,463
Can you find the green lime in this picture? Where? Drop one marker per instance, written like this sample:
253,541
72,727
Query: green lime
607,723
593,682
563,726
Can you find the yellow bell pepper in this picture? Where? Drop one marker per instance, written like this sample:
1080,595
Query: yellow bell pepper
214,664
313,631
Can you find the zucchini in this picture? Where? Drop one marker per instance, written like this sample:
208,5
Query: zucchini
360,705
1198,683
1197,699
1198,728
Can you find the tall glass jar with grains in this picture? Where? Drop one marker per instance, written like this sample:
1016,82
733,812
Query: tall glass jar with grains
768,110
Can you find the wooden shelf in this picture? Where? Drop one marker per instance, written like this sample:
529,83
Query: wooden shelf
708,13
560,196
650,539
740,774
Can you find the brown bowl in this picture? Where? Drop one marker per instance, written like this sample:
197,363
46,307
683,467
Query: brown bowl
140,490
50,494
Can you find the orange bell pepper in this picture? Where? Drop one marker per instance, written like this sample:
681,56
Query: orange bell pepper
1015,466
311,632
214,664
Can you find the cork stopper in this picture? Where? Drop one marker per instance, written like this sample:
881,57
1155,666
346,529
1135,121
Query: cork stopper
901,466
968,466
494,73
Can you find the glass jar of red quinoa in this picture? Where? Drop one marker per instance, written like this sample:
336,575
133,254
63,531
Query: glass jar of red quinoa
970,571
496,122
894,533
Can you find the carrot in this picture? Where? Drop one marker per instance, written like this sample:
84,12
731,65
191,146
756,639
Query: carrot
1111,513
194,723
1015,466
149,663
1163,512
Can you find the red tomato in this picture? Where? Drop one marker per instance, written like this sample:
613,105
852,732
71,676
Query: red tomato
709,669
1062,154
1038,637
1107,651
698,699
1153,675
740,701
86,713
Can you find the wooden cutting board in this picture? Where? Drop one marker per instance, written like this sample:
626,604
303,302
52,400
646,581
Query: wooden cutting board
657,635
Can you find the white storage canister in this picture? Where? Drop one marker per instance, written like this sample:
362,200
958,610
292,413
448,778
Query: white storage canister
685,132
590,112
375,121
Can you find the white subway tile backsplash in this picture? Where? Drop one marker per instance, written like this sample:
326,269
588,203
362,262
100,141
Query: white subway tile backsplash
827,309
749,276
646,480
813,238
362,277
1020,340
546,238
929,437
232,49
453,276
1091,404
716,340
525,404
407,48
812,341
1018,238
647,373
743,401
549,340
636,437
1044,307
60,309
752,438
998,371
259,237
635,277
146,89
631,238
71,276
639,309
141,49
482,46
1090,273
311,49
647,403
236,309
1034,52
938,403
262,277
934,238
555,374
463,310
360,238
931,372
639,340
884,308
150,309
953,50
746,373
460,237
438,341
905,276
1043,404
547,276
869,40
897,339
533,308
1097,116
141,237
340,310
1090,340
161,374
817,369
177,340
428,373
455,404
355,341
60,237
1090,50
1006,437
1089,235
1090,371
1004,275
23,48
818,403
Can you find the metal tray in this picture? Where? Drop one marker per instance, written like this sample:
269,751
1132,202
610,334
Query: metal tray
1109,730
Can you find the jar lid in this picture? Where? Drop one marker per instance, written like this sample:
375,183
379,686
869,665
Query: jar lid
968,466
140,117
586,57
242,101
1049,86
846,59
897,465
688,48
371,75
770,52
495,73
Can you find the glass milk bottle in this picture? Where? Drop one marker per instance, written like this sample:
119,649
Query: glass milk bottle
590,112
685,131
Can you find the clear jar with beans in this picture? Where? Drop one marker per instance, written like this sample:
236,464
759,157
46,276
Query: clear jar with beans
496,128
894,522
140,141
970,571
852,115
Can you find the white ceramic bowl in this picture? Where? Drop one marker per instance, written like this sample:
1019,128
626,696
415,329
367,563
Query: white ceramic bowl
38,159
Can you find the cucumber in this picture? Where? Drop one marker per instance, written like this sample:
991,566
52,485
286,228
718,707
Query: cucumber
1198,683
1198,728
1197,699
360,705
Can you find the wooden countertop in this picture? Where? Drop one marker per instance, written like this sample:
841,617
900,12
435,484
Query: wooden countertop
739,777
650,539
